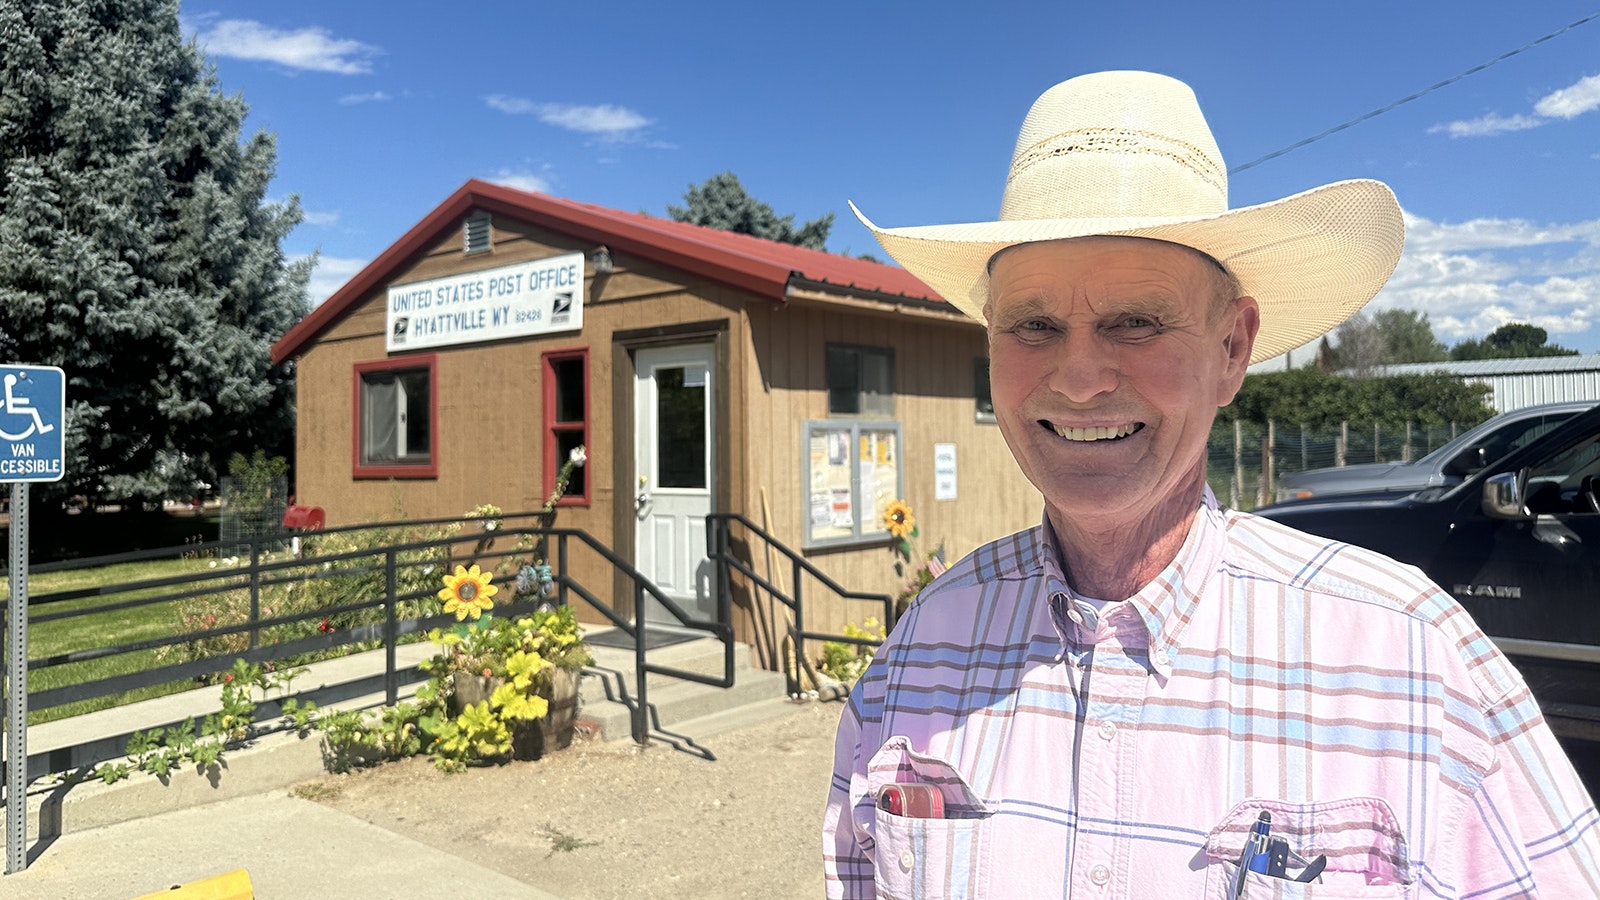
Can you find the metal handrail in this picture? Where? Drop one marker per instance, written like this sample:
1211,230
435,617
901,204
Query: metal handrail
719,537
390,629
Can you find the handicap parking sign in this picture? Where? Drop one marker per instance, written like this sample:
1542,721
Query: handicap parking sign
33,413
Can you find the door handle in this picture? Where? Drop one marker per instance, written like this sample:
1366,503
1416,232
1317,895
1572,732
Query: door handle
642,499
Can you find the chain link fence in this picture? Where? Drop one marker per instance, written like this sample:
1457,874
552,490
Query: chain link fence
1245,460
252,508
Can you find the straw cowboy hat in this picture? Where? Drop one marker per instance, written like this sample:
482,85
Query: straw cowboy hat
1128,153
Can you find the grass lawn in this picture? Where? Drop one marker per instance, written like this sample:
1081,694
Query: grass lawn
52,638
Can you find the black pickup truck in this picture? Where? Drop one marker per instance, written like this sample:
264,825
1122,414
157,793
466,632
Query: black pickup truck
1518,544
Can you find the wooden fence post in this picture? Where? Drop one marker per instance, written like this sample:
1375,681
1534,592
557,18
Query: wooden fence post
1265,493
1342,444
1237,487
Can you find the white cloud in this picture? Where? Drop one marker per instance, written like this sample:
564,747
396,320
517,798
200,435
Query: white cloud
522,181
323,219
374,97
1573,100
312,49
613,122
603,119
1472,277
1476,234
1484,126
514,106
330,274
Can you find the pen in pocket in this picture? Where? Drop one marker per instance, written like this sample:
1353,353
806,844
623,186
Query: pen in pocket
1253,858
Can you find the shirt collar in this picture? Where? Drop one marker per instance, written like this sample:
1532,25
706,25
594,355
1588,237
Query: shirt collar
1167,603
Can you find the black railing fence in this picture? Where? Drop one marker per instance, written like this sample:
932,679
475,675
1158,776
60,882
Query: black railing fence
350,589
778,609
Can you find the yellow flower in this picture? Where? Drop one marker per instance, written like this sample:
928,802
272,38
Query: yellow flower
898,519
467,593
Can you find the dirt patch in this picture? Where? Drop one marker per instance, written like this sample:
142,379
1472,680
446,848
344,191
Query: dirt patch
614,821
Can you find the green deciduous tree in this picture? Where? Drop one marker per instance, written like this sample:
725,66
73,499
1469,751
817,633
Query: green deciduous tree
1513,340
1387,337
722,203
136,249
1360,347
1408,336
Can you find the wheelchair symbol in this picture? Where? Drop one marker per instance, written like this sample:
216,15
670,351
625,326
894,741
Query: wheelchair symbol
19,406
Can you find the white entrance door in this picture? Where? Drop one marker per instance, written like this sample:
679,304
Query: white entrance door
673,475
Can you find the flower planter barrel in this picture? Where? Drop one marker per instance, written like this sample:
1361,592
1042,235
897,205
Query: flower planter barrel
557,725
529,739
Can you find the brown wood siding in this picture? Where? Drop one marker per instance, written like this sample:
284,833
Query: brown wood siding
772,380
934,403
489,402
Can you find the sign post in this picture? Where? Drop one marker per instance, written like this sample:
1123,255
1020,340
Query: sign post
32,448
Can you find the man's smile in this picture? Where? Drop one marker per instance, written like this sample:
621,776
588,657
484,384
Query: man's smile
1096,432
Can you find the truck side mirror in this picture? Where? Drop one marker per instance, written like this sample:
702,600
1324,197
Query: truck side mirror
1505,496
1467,462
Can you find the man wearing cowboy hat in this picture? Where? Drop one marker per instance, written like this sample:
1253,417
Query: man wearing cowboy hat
1150,695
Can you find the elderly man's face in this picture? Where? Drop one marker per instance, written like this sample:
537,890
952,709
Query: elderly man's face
1108,359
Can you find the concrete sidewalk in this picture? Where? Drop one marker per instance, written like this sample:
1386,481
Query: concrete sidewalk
292,848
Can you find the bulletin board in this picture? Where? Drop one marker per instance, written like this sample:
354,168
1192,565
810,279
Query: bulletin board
852,472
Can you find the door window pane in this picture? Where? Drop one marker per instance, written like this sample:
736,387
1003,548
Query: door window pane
681,427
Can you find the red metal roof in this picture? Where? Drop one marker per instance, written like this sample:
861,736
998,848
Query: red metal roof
762,267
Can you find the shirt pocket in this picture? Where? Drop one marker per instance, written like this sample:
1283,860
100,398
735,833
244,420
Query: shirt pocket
931,859
1360,836
928,859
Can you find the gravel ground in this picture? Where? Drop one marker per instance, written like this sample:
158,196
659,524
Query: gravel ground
613,821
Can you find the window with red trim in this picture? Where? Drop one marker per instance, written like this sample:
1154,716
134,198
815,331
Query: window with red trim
566,420
396,433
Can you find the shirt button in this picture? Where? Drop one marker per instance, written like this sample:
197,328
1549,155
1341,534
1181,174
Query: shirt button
1100,875
1108,730
907,859
1075,616
1161,656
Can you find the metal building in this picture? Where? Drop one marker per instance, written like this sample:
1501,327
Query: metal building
1516,383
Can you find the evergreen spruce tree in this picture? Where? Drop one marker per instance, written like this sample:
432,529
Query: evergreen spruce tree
136,250
722,203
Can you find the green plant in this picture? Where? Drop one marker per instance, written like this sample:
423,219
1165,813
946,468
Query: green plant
354,737
513,659
509,661
845,662
160,751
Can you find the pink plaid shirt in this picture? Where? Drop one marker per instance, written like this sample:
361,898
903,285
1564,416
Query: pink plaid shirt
1126,754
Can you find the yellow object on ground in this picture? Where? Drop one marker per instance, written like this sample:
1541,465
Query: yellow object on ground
233,885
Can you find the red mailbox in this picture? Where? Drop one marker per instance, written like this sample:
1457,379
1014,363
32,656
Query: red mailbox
305,518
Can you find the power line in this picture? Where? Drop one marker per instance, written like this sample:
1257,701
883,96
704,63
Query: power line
1422,93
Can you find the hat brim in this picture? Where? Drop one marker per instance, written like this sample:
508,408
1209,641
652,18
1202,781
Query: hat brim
1310,261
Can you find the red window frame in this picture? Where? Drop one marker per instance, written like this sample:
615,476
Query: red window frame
428,361
553,430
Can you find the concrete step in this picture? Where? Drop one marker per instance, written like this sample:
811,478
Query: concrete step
609,687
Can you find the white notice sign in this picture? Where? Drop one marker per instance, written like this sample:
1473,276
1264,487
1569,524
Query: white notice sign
519,300
944,471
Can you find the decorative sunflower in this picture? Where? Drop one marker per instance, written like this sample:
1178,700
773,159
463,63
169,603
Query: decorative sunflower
468,592
898,519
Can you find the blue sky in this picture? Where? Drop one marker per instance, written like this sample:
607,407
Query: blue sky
381,110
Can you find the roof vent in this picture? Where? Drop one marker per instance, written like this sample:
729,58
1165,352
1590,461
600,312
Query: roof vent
476,237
